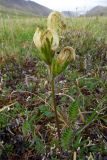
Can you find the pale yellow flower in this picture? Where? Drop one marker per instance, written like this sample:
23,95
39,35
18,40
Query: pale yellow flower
46,43
56,21
37,38
40,39
67,54
60,62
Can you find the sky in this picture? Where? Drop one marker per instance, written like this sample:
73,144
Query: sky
71,5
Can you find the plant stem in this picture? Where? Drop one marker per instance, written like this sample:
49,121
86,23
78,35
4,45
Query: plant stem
55,108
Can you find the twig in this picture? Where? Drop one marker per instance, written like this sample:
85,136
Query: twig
7,107
63,94
75,155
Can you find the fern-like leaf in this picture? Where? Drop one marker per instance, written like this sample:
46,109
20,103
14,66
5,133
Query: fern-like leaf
66,139
73,111
39,146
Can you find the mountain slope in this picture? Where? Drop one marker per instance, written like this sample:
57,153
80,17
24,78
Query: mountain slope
97,11
25,6
69,13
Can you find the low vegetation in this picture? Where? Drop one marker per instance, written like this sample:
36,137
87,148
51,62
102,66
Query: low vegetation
27,120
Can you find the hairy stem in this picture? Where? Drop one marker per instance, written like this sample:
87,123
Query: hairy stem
52,82
55,108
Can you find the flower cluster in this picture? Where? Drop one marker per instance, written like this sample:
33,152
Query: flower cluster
47,43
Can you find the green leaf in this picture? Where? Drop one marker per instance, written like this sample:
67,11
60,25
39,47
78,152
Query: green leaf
58,68
45,110
26,128
46,52
92,117
66,139
73,111
39,145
